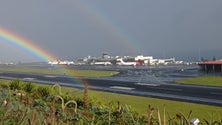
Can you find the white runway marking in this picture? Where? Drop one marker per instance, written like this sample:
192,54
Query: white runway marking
146,84
154,86
28,78
48,76
171,89
121,87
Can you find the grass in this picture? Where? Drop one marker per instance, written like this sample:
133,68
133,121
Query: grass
61,71
140,104
203,80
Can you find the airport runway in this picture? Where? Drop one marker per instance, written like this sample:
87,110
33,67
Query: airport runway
188,93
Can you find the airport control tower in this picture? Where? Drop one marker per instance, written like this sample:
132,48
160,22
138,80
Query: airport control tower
106,55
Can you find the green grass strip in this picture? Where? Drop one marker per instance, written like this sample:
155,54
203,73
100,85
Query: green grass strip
52,71
203,80
140,104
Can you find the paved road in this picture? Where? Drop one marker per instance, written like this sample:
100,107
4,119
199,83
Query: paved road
188,93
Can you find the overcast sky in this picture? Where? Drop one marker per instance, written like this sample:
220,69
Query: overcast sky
185,29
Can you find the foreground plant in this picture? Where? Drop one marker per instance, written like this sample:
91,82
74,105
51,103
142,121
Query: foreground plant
53,109
15,84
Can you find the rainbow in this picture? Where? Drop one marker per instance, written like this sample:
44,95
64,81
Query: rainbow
29,47
33,49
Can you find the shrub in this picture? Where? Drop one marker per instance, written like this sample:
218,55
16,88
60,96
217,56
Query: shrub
67,98
15,85
29,87
44,92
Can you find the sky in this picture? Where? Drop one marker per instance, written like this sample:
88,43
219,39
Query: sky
69,29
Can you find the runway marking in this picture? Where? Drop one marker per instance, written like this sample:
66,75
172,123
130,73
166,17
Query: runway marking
50,76
171,89
216,93
28,78
155,86
146,84
121,87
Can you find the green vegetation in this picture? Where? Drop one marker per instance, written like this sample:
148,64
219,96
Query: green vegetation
86,107
15,85
61,71
29,87
140,104
203,80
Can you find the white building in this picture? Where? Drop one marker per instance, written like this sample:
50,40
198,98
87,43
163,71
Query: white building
61,62
146,59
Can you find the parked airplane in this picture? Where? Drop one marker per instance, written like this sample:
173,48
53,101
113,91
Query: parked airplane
121,62
103,63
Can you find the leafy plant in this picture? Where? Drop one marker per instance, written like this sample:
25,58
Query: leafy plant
29,87
212,120
44,92
15,85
